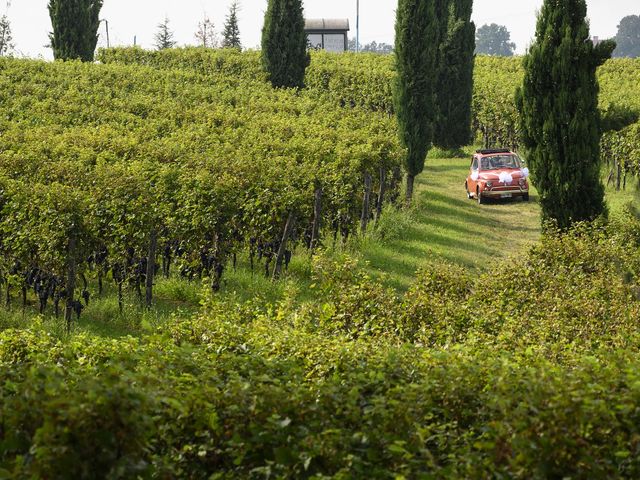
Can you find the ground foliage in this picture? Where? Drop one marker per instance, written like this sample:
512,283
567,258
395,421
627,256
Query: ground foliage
528,372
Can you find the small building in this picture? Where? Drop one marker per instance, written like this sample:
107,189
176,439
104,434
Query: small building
328,34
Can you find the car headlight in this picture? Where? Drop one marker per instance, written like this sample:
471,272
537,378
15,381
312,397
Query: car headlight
523,182
489,184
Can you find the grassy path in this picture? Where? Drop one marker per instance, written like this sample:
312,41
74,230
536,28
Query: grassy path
445,226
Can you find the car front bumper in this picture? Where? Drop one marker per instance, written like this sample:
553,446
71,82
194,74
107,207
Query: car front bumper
505,193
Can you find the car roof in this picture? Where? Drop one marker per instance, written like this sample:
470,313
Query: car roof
496,151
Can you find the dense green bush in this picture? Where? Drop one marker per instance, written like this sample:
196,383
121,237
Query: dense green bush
530,371
380,410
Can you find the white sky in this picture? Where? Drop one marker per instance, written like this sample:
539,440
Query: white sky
128,18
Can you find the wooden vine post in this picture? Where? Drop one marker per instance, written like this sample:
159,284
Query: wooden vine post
71,280
366,201
381,192
151,266
288,229
317,219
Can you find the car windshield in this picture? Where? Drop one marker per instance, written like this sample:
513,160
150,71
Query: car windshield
501,161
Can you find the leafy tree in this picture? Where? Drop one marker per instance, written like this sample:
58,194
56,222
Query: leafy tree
628,37
558,105
231,32
164,36
284,43
418,32
455,82
494,40
206,34
75,28
6,38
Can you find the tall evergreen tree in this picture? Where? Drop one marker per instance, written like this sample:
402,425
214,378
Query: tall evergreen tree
284,43
231,32
164,36
558,104
455,82
419,25
75,28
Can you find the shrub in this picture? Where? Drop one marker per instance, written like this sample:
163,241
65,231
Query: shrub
529,371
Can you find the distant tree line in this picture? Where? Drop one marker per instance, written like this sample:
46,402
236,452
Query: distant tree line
495,39
206,35
75,26
372,47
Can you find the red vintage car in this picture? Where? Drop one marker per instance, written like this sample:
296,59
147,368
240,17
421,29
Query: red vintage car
497,173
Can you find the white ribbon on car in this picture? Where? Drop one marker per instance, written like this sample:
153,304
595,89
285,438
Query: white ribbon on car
505,178
525,172
475,176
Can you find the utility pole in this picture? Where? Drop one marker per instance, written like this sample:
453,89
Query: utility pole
106,22
357,26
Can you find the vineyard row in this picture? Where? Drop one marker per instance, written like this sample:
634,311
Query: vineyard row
110,171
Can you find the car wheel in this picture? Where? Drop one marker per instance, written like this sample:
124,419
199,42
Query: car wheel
466,187
525,197
481,200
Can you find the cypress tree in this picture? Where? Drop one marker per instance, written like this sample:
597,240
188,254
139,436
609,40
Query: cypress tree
455,82
560,122
284,44
418,31
231,33
75,28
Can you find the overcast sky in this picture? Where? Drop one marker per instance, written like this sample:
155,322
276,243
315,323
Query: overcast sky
128,18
